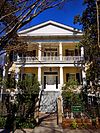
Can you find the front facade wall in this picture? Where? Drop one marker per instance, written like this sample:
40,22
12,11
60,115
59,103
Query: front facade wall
71,70
30,70
55,71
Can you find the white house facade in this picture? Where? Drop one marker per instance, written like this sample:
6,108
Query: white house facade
54,56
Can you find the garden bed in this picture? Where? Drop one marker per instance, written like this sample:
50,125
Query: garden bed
79,123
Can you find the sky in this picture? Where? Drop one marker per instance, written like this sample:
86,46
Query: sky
64,15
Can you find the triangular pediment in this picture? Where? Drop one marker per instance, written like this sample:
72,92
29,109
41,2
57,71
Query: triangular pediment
49,28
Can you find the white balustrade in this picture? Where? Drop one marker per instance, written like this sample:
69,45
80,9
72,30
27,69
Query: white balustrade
27,59
65,59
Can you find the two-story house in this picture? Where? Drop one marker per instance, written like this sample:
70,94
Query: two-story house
54,56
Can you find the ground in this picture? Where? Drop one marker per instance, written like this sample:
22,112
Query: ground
49,125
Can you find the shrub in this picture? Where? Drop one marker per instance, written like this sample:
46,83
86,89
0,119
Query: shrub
74,124
2,122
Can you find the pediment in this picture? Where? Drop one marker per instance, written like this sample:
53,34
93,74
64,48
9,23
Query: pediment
49,28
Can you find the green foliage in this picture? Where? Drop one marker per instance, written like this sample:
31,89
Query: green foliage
26,100
70,85
29,85
2,122
25,124
69,96
74,124
21,112
9,83
88,20
84,125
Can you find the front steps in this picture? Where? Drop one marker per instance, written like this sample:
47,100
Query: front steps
48,101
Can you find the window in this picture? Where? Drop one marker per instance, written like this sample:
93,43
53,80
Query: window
50,52
76,52
73,76
69,52
34,53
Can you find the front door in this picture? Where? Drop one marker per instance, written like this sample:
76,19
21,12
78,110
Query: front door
50,78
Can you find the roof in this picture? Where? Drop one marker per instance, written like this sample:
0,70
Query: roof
50,28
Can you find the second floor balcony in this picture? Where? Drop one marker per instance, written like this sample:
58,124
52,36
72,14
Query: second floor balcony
50,59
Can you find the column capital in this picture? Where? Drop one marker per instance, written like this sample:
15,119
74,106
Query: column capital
61,66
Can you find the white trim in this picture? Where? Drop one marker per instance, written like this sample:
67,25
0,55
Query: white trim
49,23
49,65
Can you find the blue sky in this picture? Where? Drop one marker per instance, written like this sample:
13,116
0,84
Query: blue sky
64,15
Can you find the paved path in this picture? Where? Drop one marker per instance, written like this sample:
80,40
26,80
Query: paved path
49,125
45,129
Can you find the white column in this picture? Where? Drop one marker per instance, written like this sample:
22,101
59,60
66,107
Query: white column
18,57
39,52
83,69
60,51
82,51
61,76
4,72
84,77
16,76
39,75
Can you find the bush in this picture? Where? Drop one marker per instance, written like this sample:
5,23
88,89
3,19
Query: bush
2,122
74,124
21,123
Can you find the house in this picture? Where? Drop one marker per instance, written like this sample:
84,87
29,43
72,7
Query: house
54,56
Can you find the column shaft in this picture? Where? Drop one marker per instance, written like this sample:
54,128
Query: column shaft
39,75
84,77
4,72
82,51
39,52
61,76
60,51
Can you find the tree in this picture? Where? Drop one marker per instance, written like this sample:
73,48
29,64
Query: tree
88,20
70,94
23,12
27,99
90,41
21,110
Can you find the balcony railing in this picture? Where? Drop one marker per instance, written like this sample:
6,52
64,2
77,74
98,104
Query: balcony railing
47,59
